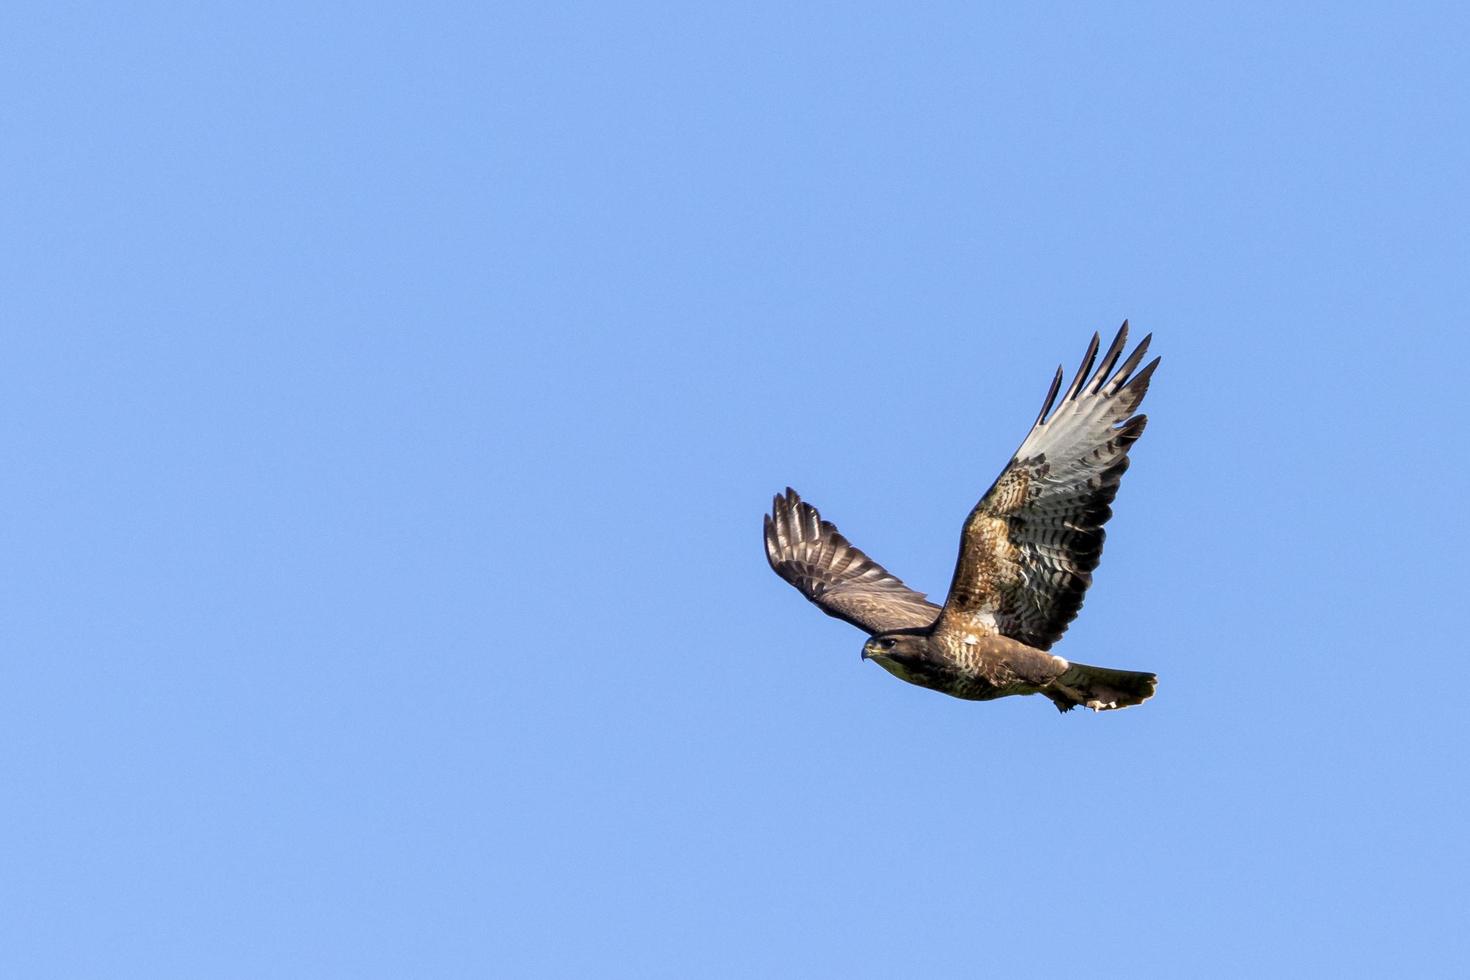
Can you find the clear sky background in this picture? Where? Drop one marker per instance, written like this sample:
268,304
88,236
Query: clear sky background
390,397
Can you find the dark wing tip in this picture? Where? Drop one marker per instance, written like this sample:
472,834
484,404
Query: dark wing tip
770,538
787,506
1105,366
1138,385
1084,369
1051,396
1121,376
783,525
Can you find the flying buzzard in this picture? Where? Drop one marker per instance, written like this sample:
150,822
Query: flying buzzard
1026,557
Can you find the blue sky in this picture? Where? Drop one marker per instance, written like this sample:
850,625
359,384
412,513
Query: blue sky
391,397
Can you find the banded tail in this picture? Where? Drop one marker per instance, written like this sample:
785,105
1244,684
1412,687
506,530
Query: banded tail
1100,688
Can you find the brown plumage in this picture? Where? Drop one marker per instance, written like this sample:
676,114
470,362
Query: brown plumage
1027,554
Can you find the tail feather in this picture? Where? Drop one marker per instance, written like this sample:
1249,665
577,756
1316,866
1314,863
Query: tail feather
1100,688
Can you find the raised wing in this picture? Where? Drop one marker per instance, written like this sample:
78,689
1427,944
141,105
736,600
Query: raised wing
812,555
1029,547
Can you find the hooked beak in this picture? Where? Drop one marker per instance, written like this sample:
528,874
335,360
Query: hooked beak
870,651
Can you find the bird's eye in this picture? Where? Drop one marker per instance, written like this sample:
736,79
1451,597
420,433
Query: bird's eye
887,644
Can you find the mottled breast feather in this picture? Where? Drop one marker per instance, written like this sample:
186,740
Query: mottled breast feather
812,555
1030,546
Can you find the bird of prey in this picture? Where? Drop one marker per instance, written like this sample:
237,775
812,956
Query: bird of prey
1027,554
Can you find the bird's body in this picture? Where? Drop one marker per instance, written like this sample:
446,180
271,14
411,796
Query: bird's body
1026,558
978,671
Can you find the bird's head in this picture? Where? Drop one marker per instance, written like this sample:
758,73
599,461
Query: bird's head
898,647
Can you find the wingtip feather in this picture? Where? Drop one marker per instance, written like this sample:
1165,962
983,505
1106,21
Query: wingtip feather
1105,366
1051,396
1084,369
1138,384
1125,372
771,541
